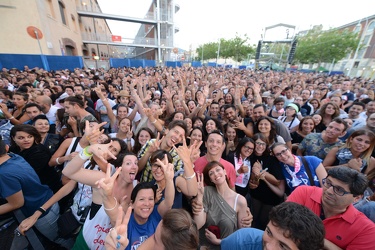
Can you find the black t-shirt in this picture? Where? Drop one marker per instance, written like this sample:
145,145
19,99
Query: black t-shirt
38,157
296,138
240,133
263,193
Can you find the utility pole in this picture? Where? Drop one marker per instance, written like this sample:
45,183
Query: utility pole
218,52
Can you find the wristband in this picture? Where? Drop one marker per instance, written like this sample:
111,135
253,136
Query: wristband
85,152
42,210
154,122
110,209
57,161
190,177
83,156
11,118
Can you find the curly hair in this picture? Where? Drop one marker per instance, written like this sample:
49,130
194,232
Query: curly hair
299,224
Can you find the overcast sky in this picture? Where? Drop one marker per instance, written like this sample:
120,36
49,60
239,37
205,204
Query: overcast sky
202,21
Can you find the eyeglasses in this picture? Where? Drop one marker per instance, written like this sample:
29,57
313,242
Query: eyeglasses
155,166
337,189
260,144
248,148
282,152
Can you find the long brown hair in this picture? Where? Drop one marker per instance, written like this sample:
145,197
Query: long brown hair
207,169
367,154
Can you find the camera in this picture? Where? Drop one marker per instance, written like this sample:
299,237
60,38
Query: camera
83,212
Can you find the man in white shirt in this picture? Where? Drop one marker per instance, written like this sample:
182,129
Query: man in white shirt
46,104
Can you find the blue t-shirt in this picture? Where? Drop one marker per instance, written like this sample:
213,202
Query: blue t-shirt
137,234
17,175
244,239
302,176
177,203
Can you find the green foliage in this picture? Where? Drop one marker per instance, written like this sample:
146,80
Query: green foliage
236,48
319,46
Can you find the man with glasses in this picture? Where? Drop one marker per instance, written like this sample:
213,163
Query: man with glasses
345,226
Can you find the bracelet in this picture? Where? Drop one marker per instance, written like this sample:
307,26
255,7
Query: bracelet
190,177
57,161
154,122
83,156
42,210
110,209
85,152
11,118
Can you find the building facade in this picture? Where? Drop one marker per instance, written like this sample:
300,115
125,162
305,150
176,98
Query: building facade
79,28
361,62
58,26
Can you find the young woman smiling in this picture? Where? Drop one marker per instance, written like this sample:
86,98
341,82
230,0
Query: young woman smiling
355,154
224,208
26,142
267,183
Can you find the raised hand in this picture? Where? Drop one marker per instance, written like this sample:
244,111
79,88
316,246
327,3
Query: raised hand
99,92
167,167
243,169
3,107
117,237
167,93
93,132
239,124
148,112
105,185
183,151
101,151
256,168
129,135
195,151
256,88
200,185
156,144
72,121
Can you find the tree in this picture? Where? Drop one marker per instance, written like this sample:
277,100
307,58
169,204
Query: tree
238,49
209,51
235,48
319,46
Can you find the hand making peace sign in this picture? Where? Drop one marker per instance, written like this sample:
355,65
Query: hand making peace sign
117,237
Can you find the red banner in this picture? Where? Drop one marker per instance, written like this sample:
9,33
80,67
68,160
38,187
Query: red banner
116,38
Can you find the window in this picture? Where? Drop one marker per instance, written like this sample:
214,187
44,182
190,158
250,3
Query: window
62,12
357,28
361,52
371,27
51,11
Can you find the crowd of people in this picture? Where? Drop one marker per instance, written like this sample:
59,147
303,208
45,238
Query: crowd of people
188,158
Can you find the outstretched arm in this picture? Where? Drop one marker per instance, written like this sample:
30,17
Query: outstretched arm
167,203
27,223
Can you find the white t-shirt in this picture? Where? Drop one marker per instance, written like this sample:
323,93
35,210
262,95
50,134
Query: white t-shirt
114,135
